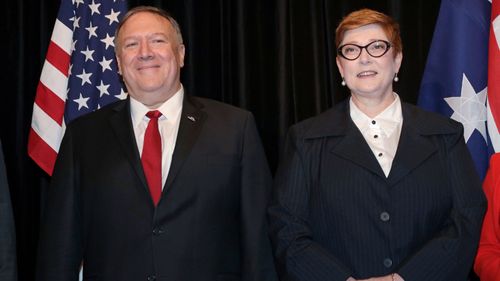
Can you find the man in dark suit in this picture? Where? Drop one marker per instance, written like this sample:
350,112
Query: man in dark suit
208,220
8,269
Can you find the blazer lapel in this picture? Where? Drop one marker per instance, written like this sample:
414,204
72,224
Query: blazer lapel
121,124
351,145
413,148
192,120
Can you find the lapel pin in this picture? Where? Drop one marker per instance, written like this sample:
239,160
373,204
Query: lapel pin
191,118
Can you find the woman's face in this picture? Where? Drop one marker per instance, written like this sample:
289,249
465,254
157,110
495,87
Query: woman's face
369,77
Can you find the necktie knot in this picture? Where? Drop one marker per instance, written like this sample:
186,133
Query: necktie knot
154,114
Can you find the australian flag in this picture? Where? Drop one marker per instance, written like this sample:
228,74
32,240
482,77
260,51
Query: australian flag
455,81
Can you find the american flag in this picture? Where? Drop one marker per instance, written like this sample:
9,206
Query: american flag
455,81
79,74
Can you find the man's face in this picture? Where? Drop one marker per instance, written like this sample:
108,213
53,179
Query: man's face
150,57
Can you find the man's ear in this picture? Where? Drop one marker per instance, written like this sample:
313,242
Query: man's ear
181,52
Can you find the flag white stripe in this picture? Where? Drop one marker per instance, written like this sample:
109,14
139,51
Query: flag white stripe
496,30
55,80
48,129
62,36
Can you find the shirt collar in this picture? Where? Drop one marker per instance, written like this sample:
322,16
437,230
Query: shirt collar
169,109
388,120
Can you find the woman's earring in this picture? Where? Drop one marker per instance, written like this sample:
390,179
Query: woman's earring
396,79
343,82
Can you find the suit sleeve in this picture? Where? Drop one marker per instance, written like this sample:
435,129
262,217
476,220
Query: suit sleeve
8,268
60,245
449,254
487,264
257,264
298,256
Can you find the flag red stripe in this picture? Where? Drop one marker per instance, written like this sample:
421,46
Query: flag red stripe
50,103
58,58
41,152
494,67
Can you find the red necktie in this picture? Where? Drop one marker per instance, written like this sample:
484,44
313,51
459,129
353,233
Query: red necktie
151,156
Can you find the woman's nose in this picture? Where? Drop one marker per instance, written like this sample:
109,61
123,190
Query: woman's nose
364,57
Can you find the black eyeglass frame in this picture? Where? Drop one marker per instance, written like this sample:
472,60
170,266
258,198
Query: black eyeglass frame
388,44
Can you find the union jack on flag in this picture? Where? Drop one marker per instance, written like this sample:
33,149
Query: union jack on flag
462,75
79,74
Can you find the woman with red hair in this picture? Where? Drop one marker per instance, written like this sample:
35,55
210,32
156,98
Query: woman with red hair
375,188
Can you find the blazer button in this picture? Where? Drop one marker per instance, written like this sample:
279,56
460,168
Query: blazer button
387,262
151,278
384,216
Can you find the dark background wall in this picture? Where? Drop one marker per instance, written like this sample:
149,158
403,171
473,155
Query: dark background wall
274,58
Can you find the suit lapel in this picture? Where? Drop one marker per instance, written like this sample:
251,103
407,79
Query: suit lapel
192,119
353,147
121,124
413,147
351,144
191,123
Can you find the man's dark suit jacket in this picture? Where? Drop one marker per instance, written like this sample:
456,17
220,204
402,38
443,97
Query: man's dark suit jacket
335,214
8,268
210,223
